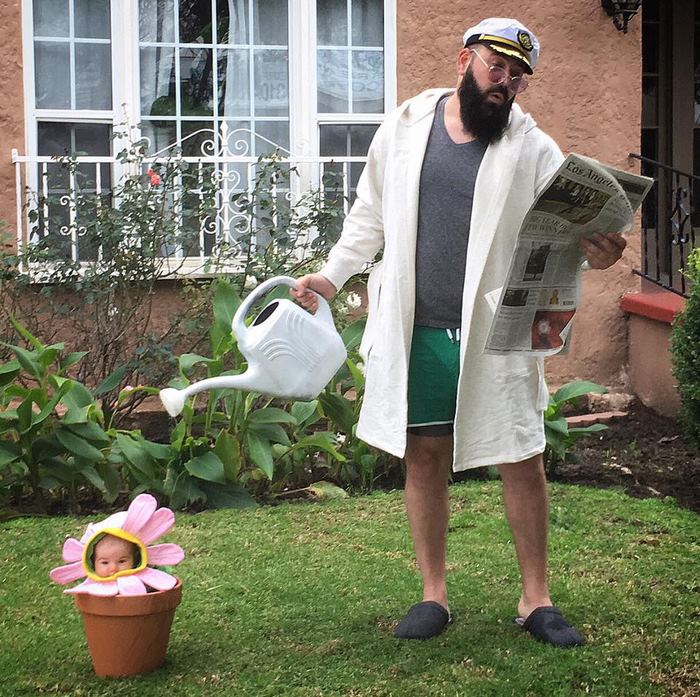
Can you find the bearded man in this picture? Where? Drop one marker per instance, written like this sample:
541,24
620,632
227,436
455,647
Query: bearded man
449,178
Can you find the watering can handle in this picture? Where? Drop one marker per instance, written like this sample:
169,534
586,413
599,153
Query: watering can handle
238,323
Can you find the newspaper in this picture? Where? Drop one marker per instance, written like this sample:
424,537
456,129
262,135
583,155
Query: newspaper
534,311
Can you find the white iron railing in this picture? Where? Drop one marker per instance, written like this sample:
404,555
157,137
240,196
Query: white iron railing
223,155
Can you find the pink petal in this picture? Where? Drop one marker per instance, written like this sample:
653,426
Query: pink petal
161,521
67,573
130,585
139,513
106,588
157,579
89,532
72,550
165,554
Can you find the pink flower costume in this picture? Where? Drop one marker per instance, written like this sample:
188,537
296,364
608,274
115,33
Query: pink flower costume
141,524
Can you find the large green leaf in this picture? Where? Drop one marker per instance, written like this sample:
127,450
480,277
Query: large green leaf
260,452
226,449
226,301
8,371
90,431
78,446
227,496
184,491
352,334
578,388
93,476
271,415
25,412
72,358
135,454
187,360
28,360
593,428
78,396
301,411
9,452
322,440
158,451
48,354
112,381
77,415
271,432
25,333
559,425
339,410
208,467
112,480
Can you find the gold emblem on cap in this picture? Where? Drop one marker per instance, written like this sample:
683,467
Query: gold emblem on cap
524,40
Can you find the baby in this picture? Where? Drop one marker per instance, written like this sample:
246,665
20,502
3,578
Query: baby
112,554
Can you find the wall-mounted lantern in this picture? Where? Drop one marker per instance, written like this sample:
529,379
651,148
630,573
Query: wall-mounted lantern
621,11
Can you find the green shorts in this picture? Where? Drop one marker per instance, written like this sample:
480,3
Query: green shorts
433,374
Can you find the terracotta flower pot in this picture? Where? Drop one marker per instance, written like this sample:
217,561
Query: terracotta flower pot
128,634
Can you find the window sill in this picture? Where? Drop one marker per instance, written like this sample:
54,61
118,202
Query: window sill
660,306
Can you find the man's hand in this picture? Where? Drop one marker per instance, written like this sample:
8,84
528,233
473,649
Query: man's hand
603,250
303,294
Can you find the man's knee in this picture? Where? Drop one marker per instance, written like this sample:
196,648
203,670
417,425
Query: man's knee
532,468
428,455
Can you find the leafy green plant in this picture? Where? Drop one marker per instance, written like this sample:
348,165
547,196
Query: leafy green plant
560,437
52,432
228,440
685,352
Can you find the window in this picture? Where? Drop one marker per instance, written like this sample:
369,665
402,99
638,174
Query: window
311,78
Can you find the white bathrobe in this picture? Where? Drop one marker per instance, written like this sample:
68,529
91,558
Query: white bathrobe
500,399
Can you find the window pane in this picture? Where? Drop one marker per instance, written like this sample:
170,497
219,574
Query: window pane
271,22
157,20
332,79
51,18
52,75
650,48
232,19
343,140
93,76
195,21
367,23
271,83
650,116
160,134
238,139
275,131
196,86
93,138
54,139
332,22
234,83
157,81
368,82
92,19
197,138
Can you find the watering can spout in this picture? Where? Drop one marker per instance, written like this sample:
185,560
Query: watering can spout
174,400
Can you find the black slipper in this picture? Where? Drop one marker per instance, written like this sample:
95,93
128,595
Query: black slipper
549,625
422,621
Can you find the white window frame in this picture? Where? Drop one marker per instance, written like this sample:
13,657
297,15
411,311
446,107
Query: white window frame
304,120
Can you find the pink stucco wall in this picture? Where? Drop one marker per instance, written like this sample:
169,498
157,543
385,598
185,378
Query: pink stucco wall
586,93
11,106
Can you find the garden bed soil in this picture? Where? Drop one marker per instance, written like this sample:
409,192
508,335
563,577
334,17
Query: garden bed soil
643,453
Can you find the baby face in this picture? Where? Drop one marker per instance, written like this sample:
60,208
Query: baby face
113,554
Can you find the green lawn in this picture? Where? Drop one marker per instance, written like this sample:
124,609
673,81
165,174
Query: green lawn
300,600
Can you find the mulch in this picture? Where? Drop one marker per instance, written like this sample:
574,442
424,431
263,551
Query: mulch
644,453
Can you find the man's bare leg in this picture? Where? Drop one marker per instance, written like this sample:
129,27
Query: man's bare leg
428,462
527,510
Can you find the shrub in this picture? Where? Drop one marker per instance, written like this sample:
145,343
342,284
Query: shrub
685,353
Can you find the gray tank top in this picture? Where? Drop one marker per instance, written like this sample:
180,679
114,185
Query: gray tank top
444,212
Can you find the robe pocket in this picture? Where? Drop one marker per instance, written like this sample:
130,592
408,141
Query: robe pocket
374,289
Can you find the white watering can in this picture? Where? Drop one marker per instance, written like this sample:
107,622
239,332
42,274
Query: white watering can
291,353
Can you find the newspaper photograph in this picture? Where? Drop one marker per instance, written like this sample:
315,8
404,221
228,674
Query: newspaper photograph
534,310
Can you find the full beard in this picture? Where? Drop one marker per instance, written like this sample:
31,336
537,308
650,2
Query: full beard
484,119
